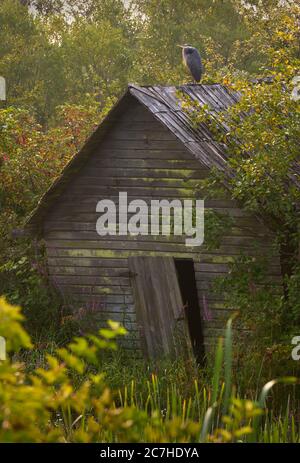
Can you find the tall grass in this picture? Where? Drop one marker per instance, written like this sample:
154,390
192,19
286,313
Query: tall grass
179,390
210,403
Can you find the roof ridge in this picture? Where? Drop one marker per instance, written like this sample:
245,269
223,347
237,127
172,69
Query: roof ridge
138,86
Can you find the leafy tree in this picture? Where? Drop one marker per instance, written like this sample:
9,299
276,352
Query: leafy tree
49,60
31,158
29,61
66,50
97,57
217,29
262,135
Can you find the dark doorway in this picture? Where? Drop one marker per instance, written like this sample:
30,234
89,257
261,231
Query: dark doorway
188,289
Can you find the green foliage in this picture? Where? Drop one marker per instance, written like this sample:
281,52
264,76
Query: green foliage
50,60
69,400
10,327
30,159
62,76
73,48
261,133
269,319
23,282
216,226
216,28
294,299
246,287
29,61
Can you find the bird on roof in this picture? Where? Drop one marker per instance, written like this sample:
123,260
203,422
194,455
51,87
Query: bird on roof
192,60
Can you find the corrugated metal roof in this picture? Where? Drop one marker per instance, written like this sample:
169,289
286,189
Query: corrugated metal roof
166,106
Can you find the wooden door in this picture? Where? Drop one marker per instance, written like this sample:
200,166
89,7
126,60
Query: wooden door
158,304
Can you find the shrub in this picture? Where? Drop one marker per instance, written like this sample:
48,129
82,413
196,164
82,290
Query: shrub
69,400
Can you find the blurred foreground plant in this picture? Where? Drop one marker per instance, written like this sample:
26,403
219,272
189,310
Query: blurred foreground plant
69,400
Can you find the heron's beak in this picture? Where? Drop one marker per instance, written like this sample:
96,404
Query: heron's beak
180,46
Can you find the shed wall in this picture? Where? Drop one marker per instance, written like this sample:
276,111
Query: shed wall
140,156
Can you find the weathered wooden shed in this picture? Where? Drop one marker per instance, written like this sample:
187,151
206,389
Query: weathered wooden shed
147,147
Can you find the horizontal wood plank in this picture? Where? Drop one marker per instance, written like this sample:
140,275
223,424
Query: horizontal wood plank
140,156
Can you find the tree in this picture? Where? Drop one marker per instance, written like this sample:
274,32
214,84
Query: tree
217,29
262,135
49,60
30,62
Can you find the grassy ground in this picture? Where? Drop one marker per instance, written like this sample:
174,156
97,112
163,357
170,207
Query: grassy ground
178,389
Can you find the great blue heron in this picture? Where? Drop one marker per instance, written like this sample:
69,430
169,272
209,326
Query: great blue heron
192,60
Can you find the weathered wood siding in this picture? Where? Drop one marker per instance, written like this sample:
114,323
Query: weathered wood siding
140,156
159,305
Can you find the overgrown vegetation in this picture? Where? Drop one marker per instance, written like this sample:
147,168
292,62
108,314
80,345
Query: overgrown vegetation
69,400
261,133
65,65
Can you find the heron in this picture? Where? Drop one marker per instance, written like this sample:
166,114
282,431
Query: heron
192,60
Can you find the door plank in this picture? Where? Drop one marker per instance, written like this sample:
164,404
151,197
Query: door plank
158,304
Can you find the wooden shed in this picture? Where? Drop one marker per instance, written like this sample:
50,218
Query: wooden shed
147,147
